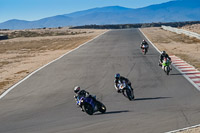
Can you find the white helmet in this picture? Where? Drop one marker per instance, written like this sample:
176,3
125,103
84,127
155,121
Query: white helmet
77,89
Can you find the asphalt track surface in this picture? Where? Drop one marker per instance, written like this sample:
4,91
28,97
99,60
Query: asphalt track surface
44,102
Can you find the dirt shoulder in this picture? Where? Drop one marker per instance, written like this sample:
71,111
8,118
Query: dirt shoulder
192,130
193,28
22,55
185,47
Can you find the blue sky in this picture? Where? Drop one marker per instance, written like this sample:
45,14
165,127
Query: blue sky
37,9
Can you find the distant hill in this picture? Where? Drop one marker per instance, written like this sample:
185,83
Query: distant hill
173,11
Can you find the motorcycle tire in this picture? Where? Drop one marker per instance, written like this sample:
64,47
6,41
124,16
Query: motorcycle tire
88,109
129,94
168,70
101,107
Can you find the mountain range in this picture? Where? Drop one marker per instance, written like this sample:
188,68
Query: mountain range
173,11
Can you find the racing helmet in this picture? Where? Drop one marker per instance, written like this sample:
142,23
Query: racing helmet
117,75
77,89
163,53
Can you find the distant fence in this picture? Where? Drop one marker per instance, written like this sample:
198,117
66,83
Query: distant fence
181,31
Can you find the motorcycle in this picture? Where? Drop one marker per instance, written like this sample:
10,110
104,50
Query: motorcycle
144,49
90,106
166,65
126,90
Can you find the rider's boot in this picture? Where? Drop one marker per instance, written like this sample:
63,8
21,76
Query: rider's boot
81,108
118,90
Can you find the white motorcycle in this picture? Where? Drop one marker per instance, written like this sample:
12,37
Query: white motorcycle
126,90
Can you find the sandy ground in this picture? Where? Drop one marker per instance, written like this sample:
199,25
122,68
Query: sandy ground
193,28
22,55
182,46
193,130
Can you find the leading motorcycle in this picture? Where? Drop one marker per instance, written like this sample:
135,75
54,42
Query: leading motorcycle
90,106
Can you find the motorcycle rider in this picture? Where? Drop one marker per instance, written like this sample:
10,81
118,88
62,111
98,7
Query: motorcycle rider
162,56
82,93
145,44
118,81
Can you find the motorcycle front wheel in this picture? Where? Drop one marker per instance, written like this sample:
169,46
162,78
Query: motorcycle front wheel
129,94
88,109
168,70
101,107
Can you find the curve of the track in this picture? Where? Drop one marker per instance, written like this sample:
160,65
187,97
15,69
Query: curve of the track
44,102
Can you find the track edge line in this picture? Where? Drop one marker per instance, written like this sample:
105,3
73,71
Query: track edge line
178,130
16,84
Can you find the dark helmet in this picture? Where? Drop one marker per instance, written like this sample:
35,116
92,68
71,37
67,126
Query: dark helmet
117,75
77,89
163,53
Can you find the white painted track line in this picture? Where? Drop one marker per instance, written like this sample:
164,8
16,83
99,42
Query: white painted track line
12,87
179,130
178,63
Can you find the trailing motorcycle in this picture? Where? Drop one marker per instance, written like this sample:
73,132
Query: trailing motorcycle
126,90
166,65
144,49
90,106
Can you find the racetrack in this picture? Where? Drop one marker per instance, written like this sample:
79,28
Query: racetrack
44,102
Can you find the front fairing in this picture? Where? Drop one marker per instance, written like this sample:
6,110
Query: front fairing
166,62
90,101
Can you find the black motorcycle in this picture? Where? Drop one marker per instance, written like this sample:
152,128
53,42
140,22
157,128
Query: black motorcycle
90,106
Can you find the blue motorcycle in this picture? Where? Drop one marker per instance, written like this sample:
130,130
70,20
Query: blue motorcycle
90,106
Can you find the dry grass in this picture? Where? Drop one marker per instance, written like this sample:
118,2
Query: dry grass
193,28
185,47
41,32
22,55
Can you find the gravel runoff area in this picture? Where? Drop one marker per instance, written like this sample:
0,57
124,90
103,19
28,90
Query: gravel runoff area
184,47
27,50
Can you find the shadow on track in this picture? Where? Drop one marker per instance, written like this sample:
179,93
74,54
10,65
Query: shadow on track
173,74
185,73
112,112
150,98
